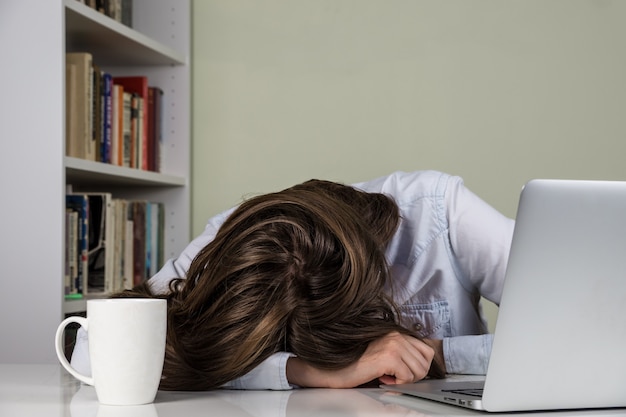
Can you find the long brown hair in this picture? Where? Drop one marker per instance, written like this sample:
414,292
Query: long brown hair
301,270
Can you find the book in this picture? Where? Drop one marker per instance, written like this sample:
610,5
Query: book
107,118
118,10
79,245
117,120
66,257
140,138
71,255
139,85
156,237
73,146
158,112
97,110
127,133
128,264
127,13
81,111
150,133
101,237
161,237
122,256
137,213
149,259
155,128
134,130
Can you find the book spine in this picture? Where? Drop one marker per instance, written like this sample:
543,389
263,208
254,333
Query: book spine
79,104
115,124
95,119
109,246
134,130
71,250
158,129
84,245
79,245
127,135
151,133
107,82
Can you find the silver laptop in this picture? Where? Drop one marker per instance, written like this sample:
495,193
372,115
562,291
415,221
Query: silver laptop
560,337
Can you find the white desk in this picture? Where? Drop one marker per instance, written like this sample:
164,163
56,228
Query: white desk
49,391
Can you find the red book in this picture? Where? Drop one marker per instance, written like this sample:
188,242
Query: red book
139,86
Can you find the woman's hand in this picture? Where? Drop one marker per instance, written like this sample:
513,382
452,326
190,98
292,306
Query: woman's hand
393,359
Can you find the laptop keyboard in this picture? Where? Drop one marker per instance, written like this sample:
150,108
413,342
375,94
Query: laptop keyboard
474,392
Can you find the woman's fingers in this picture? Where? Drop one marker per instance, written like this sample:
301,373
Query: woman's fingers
400,356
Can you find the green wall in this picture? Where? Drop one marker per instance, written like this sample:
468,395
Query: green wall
498,92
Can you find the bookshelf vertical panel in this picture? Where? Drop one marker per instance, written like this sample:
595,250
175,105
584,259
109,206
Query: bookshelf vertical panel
31,179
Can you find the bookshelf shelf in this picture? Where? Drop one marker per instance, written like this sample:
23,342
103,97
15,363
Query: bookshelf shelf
112,42
75,306
82,172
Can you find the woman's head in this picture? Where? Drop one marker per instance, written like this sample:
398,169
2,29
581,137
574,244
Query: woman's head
301,270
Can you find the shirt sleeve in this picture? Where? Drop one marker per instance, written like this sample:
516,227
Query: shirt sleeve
481,238
80,354
271,374
467,354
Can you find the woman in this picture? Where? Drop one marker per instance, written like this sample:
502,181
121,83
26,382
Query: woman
328,285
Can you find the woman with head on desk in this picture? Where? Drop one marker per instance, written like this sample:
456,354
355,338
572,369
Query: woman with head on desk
328,285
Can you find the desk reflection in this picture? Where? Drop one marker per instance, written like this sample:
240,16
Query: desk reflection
47,390
84,403
296,403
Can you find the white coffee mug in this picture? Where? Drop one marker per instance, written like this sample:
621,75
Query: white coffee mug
126,348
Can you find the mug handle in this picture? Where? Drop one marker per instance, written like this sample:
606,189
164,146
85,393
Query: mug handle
60,350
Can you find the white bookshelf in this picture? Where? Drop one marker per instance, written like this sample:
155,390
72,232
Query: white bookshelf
35,172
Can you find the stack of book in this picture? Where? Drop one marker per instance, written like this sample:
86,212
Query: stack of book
112,119
118,10
110,244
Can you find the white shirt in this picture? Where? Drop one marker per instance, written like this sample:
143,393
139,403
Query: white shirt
450,249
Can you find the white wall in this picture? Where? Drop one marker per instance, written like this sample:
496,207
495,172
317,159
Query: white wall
495,91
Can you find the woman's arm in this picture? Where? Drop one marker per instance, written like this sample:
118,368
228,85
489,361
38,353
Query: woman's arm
467,354
481,238
393,359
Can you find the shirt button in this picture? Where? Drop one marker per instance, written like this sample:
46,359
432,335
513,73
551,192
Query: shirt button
417,327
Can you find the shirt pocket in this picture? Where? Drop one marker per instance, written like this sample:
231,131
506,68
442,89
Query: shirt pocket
428,321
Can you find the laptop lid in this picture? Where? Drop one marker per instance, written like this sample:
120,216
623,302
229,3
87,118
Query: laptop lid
560,338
